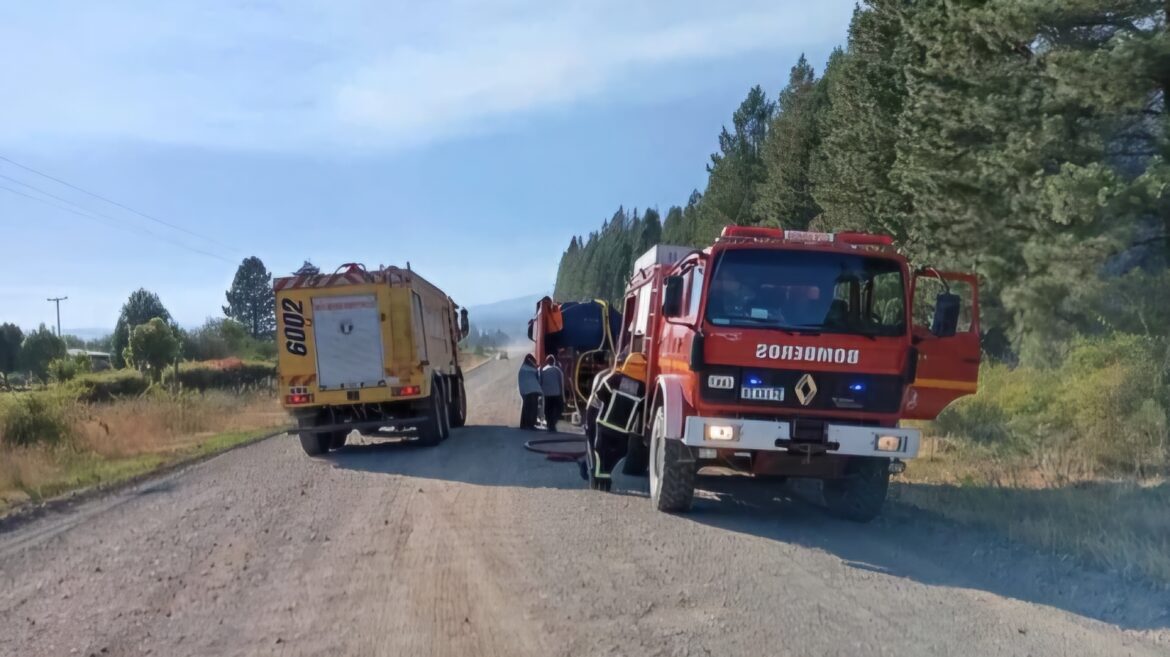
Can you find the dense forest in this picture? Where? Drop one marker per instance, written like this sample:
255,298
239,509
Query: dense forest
1022,139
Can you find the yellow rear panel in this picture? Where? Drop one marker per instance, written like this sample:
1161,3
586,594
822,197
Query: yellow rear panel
297,359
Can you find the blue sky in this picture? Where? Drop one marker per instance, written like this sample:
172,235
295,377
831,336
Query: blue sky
472,138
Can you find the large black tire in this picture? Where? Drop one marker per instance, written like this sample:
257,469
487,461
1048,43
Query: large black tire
861,493
432,432
337,439
314,443
458,402
672,470
637,457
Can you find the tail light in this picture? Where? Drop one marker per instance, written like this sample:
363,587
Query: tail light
407,391
299,398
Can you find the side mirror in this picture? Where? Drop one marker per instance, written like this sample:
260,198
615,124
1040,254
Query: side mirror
464,323
946,315
672,296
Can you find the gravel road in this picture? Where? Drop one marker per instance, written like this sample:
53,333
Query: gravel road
480,548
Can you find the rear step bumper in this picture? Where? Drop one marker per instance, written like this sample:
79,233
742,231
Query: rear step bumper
364,424
764,435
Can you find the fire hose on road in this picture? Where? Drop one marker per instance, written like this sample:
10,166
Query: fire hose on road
560,455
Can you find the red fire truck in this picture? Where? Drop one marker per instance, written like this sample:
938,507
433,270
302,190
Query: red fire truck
781,353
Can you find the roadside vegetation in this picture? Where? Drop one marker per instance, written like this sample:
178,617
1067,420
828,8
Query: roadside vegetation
172,394
1072,459
50,442
1026,141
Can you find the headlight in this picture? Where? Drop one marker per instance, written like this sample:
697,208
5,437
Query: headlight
889,444
720,432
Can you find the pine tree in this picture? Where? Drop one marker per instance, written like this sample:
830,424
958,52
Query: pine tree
672,226
785,196
1006,147
737,169
651,232
251,300
865,95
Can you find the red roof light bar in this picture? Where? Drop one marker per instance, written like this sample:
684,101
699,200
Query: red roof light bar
804,236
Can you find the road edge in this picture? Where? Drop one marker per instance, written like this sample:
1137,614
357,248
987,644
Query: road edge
26,512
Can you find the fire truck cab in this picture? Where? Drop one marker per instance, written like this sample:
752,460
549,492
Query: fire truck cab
780,353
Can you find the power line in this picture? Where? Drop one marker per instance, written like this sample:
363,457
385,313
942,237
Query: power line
119,222
77,206
115,203
96,217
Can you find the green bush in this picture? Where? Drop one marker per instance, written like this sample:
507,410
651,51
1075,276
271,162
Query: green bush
33,418
264,350
231,374
980,419
1105,407
108,385
63,370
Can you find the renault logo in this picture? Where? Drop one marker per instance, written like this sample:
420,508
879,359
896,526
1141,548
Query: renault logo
806,389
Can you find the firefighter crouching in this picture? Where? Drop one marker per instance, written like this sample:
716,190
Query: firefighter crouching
613,422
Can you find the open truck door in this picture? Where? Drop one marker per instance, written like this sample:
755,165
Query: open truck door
946,336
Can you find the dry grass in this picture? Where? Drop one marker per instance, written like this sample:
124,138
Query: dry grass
165,423
111,442
1049,502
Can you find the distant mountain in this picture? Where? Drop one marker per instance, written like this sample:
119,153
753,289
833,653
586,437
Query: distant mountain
88,333
509,315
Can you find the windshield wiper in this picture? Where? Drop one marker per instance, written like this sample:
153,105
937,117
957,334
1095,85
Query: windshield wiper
801,329
752,320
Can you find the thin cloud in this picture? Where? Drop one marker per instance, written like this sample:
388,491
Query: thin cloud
304,75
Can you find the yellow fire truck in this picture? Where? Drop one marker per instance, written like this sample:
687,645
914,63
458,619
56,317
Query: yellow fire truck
375,351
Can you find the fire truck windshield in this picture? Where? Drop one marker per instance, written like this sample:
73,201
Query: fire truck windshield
808,292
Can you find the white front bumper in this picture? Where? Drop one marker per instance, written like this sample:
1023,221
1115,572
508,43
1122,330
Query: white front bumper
850,440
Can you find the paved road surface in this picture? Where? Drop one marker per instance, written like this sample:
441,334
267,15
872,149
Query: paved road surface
480,548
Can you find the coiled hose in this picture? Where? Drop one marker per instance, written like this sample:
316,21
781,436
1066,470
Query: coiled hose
559,455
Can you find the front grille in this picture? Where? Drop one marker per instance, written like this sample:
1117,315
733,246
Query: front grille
809,431
834,391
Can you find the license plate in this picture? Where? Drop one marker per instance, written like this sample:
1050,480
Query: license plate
762,394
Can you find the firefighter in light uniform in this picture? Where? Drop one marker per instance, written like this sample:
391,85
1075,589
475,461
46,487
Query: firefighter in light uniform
614,413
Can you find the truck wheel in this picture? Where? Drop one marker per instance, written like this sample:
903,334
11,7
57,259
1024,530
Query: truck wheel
314,444
672,470
637,457
859,496
430,433
459,403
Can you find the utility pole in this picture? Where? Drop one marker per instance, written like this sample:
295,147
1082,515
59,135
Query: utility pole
58,300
